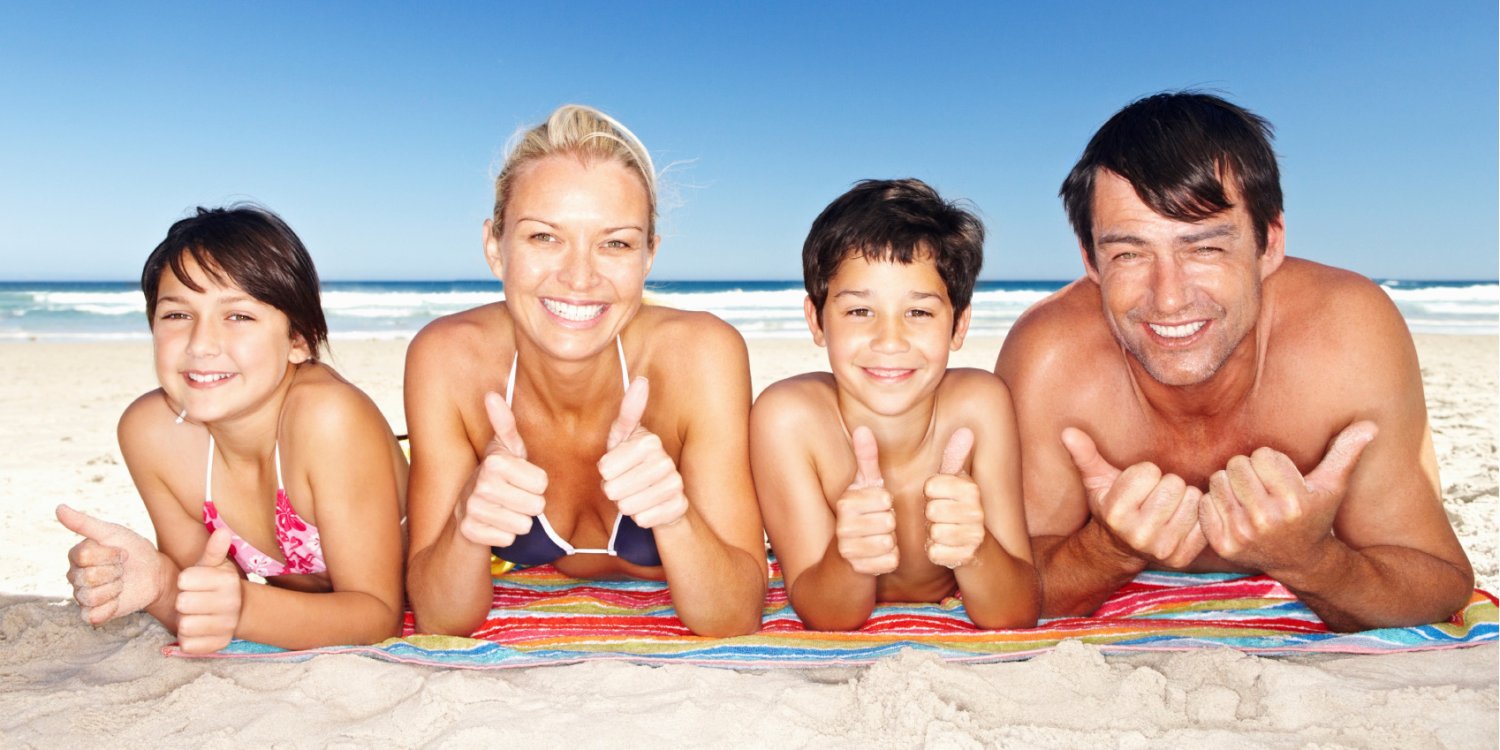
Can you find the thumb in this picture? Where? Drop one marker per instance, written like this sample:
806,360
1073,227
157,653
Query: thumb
957,452
84,524
216,550
866,459
631,409
1097,473
503,421
1338,463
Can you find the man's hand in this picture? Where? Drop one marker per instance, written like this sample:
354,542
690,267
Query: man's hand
208,599
1151,515
1262,513
507,490
114,571
639,476
954,514
865,515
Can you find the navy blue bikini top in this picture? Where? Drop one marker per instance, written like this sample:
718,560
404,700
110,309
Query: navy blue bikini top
541,544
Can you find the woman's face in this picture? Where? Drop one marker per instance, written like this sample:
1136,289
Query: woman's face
573,253
220,353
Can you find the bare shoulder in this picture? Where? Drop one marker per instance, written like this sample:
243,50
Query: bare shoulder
965,388
684,337
1323,314
794,397
145,426
456,336
1054,335
324,409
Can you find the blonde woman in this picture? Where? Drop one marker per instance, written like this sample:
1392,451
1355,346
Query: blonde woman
569,424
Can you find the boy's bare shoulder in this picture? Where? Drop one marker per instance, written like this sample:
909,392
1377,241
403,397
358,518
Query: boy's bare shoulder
966,387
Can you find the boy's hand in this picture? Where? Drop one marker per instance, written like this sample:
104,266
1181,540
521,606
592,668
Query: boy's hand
955,517
208,599
639,476
865,517
507,490
114,571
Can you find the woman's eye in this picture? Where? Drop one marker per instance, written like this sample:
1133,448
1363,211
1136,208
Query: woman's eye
617,244
544,237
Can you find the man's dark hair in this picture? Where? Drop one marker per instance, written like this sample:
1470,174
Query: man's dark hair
1176,149
257,251
895,221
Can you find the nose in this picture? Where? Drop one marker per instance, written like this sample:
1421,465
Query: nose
204,340
578,270
1168,285
890,335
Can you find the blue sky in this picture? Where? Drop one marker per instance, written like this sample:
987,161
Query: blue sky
375,128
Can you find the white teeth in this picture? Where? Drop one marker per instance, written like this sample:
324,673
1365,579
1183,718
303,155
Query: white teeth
197,377
1176,332
572,312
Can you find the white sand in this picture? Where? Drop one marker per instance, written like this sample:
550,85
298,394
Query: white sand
64,684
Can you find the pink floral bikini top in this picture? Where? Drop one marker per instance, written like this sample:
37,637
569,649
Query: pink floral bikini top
297,538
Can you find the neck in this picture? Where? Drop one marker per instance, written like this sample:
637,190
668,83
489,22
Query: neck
1223,392
901,437
252,436
562,387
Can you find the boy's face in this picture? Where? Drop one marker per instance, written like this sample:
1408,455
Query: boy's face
888,328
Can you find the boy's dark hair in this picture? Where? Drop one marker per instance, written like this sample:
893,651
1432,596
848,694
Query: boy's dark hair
257,251
1176,149
895,221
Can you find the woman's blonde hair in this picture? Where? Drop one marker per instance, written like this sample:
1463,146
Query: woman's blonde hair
580,131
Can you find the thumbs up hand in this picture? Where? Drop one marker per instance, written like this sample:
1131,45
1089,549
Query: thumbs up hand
114,571
865,515
955,516
1261,512
1150,515
508,490
639,476
208,598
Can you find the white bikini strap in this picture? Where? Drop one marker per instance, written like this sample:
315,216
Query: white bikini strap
276,452
510,381
208,478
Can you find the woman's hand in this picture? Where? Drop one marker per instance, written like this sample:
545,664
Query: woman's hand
639,476
114,571
507,490
208,599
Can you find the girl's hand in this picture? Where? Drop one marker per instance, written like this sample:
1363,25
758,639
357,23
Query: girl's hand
114,571
208,599
639,476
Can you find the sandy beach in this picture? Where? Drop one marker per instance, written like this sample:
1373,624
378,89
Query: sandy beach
64,684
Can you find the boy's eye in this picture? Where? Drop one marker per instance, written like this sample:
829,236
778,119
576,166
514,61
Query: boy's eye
919,313
859,312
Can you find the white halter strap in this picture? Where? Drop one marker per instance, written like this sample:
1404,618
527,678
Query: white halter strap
510,381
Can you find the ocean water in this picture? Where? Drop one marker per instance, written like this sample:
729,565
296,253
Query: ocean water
91,311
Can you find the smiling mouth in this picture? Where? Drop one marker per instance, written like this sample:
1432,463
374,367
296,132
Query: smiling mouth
571,312
207,378
888,374
1178,331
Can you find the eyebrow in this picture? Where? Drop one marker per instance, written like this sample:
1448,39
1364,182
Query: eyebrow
865,293
219,300
1207,233
607,230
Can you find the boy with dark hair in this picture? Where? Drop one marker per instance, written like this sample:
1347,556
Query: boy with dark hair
893,478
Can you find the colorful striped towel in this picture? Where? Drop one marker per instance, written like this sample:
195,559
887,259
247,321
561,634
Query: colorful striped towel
541,617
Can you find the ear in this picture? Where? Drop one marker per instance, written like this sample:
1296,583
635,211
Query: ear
1089,269
1275,252
961,328
300,352
811,313
651,253
492,255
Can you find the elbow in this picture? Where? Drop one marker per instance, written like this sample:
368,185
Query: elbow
831,621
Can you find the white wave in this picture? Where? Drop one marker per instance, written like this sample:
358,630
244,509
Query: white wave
1473,292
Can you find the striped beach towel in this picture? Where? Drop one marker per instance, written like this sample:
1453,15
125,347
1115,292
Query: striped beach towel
542,617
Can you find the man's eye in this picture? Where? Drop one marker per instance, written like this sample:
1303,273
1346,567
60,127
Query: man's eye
1209,250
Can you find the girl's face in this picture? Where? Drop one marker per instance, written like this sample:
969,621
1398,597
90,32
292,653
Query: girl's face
220,353
573,253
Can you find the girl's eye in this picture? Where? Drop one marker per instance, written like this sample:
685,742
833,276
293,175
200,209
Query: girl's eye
240,317
174,315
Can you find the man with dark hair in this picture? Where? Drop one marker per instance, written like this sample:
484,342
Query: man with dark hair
1201,401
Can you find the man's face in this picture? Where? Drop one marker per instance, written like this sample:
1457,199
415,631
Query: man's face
1179,296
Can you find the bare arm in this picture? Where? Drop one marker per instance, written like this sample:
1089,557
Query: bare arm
1000,586
448,576
825,589
714,556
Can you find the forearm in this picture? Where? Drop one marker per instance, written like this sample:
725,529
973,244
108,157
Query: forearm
1000,591
449,584
300,620
1080,571
718,589
831,595
164,608
1377,587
